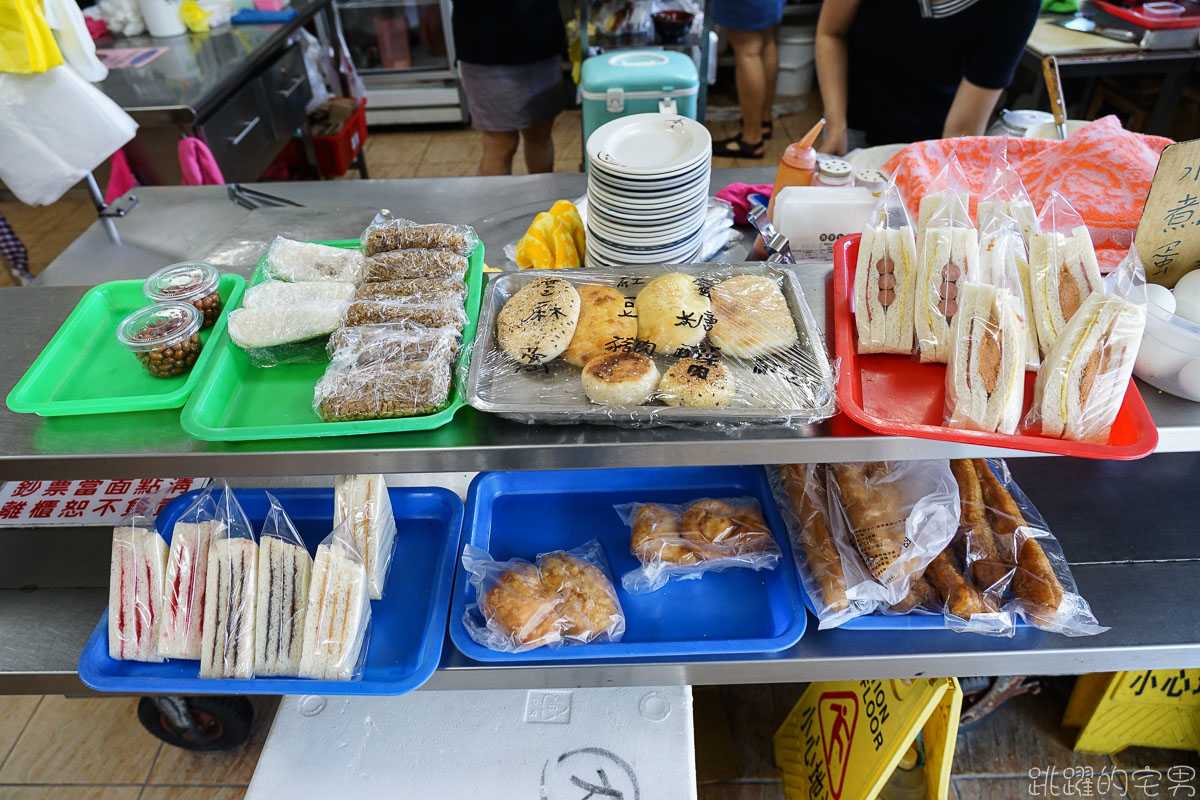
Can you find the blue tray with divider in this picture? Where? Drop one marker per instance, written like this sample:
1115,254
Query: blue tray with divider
738,611
408,625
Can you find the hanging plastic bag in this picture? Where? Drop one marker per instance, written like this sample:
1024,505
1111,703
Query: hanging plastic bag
1062,268
1083,379
889,519
949,254
27,45
800,493
566,597
74,40
284,574
338,617
135,586
885,278
678,542
227,636
55,128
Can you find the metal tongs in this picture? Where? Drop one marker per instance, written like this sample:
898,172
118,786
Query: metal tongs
249,198
779,250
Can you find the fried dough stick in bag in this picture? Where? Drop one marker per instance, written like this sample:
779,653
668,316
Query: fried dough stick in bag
805,486
985,564
961,598
872,508
1035,582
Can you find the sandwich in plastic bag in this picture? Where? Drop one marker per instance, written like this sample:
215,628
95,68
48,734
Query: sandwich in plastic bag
135,587
1083,378
284,574
1004,193
566,597
396,265
889,519
403,234
186,582
339,612
682,542
227,636
1062,268
289,260
948,254
985,374
885,278
951,189
363,509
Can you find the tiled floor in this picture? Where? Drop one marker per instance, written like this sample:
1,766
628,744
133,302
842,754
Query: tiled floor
87,748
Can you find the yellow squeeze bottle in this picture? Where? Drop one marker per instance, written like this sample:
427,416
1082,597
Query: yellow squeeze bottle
798,164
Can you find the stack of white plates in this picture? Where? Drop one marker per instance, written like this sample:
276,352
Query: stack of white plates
648,180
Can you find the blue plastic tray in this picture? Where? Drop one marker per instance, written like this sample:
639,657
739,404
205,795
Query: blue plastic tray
407,626
897,622
521,514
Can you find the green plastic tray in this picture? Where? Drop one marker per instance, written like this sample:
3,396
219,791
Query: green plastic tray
85,370
239,402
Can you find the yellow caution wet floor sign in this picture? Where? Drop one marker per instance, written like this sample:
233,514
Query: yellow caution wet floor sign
1150,708
843,739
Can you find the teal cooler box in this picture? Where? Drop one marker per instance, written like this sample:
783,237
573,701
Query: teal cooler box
637,82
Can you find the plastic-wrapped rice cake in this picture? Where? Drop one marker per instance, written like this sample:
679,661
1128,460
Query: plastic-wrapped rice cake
403,234
412,264
392,342
382,391
427,288
290,260
432,313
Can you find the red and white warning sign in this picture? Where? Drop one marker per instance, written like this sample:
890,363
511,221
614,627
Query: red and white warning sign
25,504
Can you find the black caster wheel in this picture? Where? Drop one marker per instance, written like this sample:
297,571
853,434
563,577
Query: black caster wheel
200,722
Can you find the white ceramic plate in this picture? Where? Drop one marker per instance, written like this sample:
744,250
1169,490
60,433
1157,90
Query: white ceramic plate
649,144
649,198
632,208
682,244
657,183
619,237
671,219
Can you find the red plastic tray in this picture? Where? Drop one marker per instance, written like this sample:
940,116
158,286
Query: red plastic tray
1190,18
896,395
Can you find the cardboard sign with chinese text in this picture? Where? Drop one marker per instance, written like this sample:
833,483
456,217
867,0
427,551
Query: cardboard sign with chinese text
32,504
1168,236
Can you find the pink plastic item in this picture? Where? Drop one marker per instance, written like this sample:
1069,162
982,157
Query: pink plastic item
197,165
270,5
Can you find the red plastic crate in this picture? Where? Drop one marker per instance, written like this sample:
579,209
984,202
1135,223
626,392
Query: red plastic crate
896,395
336,153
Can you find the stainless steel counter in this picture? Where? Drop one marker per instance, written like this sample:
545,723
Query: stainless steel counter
199,69
1129,528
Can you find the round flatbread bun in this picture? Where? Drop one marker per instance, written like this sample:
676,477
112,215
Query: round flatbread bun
520,607
751,317
696,384
605,315
537,323
620,379
672,313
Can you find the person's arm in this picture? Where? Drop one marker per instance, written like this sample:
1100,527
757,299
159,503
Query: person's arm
970,111
833,71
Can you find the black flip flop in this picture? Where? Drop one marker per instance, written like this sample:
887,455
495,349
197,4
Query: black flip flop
768,129
737,147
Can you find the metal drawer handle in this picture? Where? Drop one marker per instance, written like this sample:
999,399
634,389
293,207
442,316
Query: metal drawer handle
249,127
295,85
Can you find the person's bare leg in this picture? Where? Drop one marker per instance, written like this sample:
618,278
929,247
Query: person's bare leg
539,147
748,74
499,147
770,62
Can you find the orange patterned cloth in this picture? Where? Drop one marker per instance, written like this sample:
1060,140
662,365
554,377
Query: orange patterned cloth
1103,169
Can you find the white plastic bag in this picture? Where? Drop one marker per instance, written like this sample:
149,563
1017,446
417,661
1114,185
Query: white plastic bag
55,128
71,33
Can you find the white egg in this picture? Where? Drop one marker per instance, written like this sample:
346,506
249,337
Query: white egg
1156,359
1161,296
1187,297
1189,380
